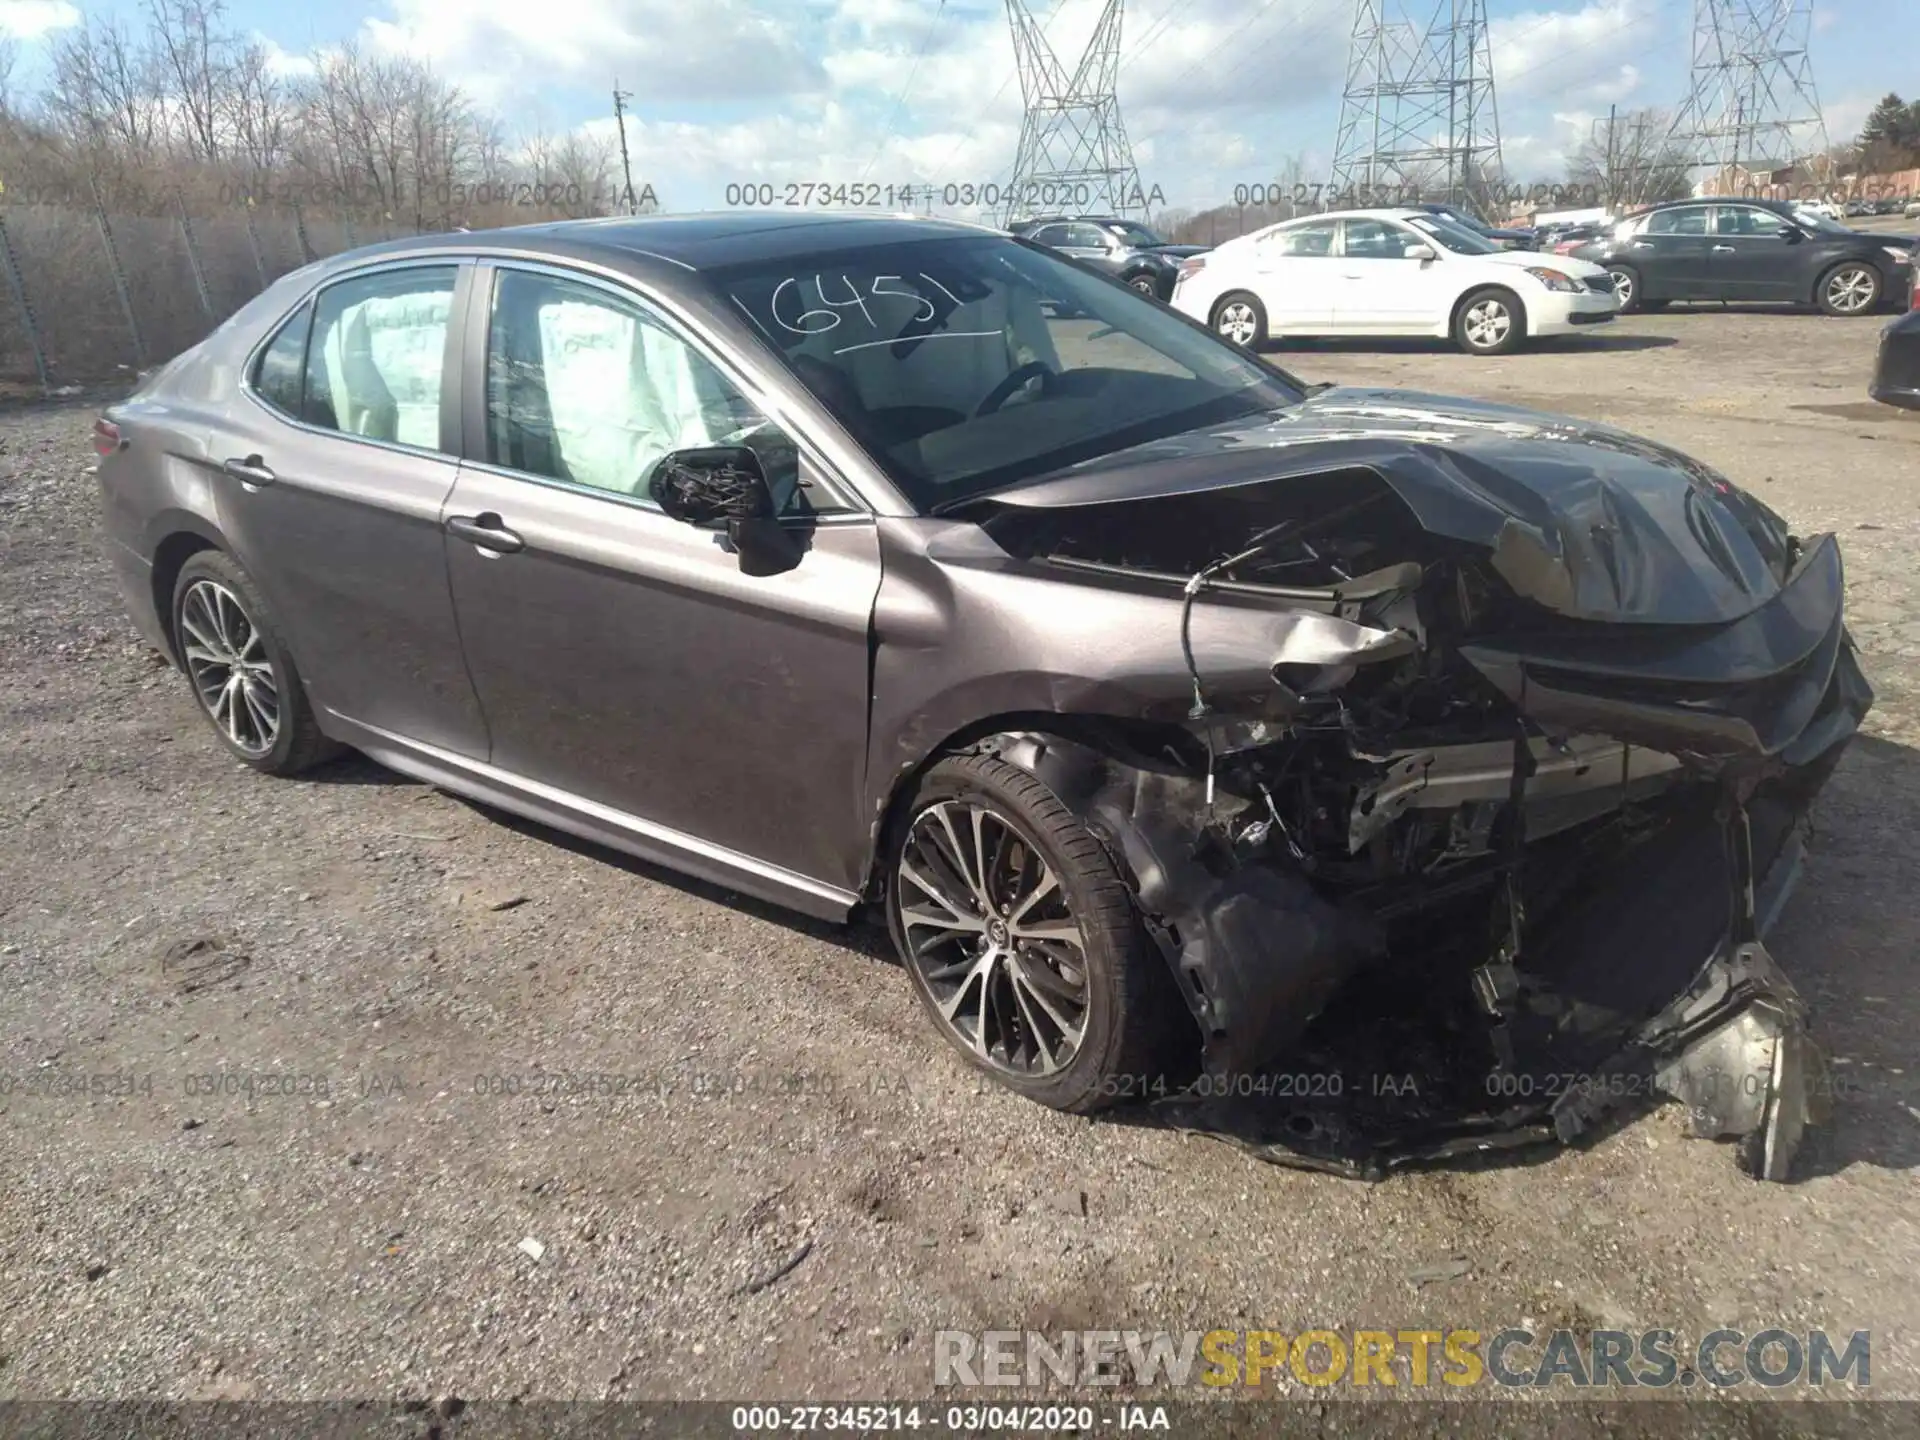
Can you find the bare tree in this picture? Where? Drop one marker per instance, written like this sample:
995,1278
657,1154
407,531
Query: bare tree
196,58
106,93
1632,160
257,115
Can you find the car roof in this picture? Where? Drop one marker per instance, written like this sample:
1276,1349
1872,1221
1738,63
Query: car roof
702,241
1780,207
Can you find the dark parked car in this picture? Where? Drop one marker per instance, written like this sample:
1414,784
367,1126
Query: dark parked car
1506,237
1161,706
1124,249
1762,250
1896,369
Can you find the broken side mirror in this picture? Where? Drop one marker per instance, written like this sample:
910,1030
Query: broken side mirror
711,487
724,487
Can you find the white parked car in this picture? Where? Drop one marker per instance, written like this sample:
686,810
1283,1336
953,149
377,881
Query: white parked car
1389,272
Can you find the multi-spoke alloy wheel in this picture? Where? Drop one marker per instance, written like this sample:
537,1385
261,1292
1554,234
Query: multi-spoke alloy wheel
226,659
1850,290
990,931
1022,940
226,640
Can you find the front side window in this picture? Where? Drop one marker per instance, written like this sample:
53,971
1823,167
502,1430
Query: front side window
375,361
1745,220
277,374
1377,240
587,387
968,363
1691,220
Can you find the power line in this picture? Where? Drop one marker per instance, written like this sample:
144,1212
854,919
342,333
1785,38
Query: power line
1072,138
926,43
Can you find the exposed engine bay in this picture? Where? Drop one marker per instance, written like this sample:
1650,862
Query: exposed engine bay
1506,866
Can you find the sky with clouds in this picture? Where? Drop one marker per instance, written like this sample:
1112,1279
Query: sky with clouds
1214,92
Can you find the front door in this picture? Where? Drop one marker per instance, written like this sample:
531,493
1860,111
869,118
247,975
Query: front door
1380,289
625,657
1751,259
334,465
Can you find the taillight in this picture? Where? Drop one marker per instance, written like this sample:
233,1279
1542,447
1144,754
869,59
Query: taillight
106,437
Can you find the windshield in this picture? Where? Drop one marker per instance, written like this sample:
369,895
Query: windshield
966,364
1456,238
1137,236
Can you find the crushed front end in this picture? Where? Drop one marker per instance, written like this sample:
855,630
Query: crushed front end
1487,886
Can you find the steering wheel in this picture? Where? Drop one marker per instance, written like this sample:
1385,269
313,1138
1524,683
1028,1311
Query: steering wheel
1001,393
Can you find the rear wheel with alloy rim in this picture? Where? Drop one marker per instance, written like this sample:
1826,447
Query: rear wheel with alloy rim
1489,322
1626,285
240,670
1850,289
1021,941
1240,319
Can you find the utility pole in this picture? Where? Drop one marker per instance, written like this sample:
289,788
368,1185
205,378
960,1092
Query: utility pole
620,98
1613,187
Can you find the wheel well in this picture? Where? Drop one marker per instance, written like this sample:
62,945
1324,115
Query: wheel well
1519,305
1099,732
168,561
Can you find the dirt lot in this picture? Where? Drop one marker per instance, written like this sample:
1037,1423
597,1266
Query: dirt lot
389,955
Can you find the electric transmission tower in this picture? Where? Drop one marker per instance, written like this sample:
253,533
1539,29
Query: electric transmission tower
1418,112
1073,150
1752,107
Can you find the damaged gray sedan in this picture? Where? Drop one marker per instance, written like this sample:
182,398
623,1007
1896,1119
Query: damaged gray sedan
1204,737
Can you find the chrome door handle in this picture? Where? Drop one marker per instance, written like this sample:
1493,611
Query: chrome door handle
1723,249
485,531
250,471
1643,244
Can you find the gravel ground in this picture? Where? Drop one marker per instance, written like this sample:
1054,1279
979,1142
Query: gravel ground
378,948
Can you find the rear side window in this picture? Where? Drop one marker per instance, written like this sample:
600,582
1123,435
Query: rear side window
375,362
1691,221
277,374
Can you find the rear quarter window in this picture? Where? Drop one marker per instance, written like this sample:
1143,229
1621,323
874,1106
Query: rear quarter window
277,373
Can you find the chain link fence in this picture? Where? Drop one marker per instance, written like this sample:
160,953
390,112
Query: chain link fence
93,297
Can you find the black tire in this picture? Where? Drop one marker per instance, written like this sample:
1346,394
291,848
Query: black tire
1626,285
1863,288
1134,1013
1227,305
1144,283
1466,332
297,743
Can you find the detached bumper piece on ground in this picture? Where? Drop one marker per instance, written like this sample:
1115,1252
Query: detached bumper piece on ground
1510,879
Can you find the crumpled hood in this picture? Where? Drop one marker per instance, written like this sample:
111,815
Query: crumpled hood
1588,521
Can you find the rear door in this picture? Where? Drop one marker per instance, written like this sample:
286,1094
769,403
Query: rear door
1671,252
624,657
1380,289
337,458
1295,272
1750,258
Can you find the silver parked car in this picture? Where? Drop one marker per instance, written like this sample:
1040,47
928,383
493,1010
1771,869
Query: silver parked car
1163,705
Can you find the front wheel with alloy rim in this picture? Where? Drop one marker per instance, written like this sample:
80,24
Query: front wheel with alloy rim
1849,289
1626,287
1489,322
1145,285
1240,319
1021,940
239,668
